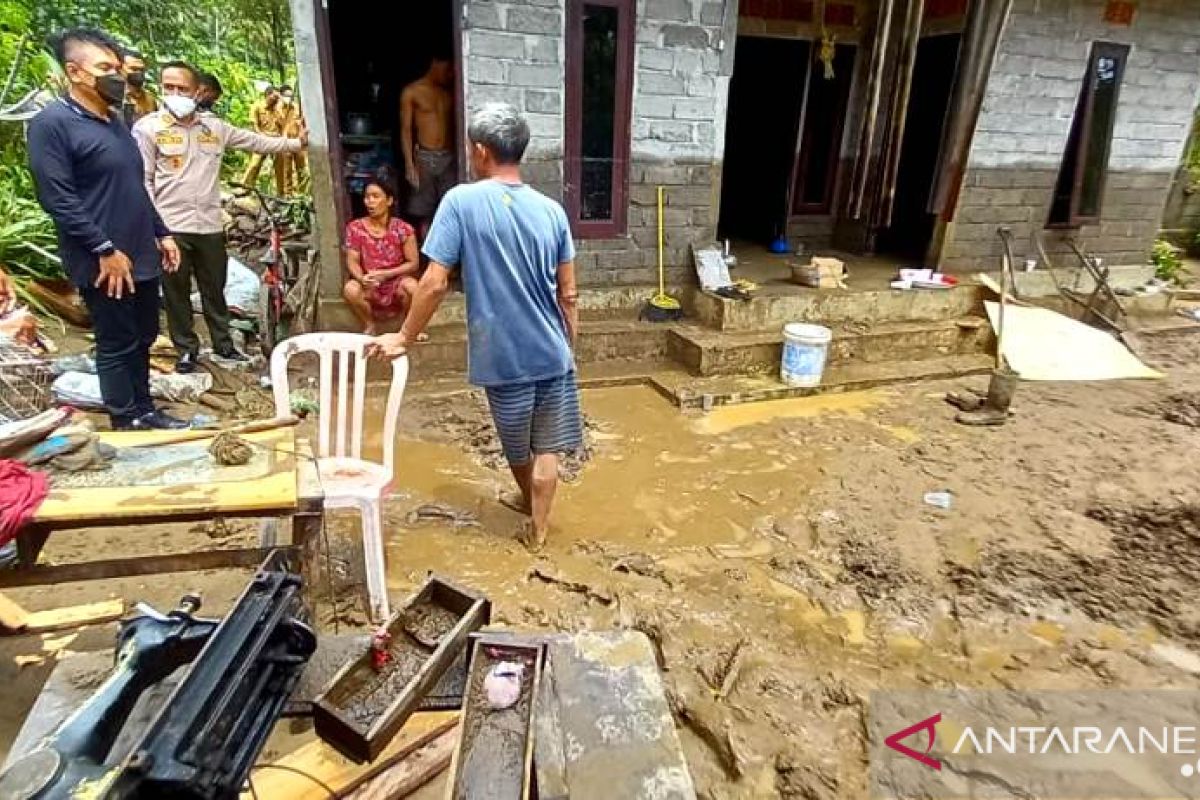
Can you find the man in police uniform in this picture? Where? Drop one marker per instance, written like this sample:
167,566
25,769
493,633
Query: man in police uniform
181,154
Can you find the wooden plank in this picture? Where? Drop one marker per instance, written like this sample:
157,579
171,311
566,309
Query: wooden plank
276,491
133,566
309,490
410,772
305,773
12,616
57,619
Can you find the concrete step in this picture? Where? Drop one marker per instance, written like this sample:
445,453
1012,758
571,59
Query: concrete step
613,302
708,352
834,307
692,392
600,341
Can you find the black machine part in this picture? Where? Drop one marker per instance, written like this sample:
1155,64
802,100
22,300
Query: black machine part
204,740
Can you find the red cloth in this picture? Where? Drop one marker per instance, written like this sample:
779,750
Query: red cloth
22,490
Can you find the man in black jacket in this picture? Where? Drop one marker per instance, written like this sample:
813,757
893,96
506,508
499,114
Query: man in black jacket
112,242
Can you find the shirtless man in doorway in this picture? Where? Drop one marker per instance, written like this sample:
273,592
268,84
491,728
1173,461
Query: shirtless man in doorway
427,136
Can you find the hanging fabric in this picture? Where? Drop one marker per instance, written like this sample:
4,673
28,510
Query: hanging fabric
984,27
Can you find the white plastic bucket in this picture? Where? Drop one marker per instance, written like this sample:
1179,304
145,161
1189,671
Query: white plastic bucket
805,348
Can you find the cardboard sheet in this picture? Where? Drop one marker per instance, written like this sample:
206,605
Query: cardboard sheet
1043,345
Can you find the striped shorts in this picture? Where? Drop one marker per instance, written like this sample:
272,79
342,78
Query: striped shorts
535,418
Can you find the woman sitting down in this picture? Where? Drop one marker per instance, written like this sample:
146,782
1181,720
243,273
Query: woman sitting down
382,258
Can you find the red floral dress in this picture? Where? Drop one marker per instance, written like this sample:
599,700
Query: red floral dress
377,253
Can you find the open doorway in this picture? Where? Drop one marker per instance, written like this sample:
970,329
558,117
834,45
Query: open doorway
912,224
760,136
377,50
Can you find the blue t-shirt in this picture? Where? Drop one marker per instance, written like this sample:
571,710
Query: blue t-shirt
508,241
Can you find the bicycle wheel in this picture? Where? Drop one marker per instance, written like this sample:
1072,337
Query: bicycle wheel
272,328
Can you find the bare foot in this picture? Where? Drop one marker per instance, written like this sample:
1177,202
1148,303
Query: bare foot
422,337
534,540
515,501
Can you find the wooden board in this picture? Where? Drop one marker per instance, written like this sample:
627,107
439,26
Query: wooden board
12,616
57,619
411,772
274,492
319,761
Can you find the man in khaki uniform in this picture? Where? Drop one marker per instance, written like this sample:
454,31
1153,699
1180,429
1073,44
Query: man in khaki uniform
181,154
139,101
267,117
295,164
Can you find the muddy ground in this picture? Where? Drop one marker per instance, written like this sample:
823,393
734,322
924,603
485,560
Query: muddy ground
782,556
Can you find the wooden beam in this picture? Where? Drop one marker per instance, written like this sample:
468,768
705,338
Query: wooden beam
316,768
131,567
57,619
13,617
410,772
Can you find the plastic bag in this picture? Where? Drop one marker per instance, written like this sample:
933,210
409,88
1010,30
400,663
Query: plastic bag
81,362
241,290
502,685
77,389
83,391
176,388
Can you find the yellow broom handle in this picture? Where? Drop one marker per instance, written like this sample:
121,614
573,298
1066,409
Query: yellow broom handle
662,283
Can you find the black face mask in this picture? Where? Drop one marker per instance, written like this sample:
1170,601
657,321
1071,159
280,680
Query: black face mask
111,88
136,79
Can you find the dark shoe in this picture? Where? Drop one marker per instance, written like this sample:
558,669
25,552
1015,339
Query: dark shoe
186,364
158,421
232,354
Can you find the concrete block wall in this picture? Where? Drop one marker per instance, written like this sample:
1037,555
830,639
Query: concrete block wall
515,52
1026,119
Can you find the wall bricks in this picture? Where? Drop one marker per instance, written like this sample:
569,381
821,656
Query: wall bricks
533,20
535,75
712,13
502,45
543,51
659,83
543,102
685,36
671,131
679,10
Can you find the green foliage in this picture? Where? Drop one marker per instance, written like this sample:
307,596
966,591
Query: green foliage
240,41
26,234
1168,262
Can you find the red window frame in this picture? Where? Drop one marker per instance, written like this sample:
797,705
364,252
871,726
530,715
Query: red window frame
1078,149
616,225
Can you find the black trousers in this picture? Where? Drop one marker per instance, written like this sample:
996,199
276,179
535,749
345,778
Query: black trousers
125,329
203,258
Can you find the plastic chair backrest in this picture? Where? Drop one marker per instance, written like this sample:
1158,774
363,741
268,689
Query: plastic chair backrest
337,432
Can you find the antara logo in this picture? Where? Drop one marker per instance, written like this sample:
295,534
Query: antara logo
895,741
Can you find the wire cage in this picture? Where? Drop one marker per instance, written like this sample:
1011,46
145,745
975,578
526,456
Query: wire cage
25,380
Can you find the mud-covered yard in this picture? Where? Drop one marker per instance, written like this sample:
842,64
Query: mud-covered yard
784,560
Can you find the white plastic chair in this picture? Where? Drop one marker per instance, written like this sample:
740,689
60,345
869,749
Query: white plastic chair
347,479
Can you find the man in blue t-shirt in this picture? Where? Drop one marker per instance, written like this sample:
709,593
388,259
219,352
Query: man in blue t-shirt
514,249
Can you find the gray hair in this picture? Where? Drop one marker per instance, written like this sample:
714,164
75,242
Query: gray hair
502,130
